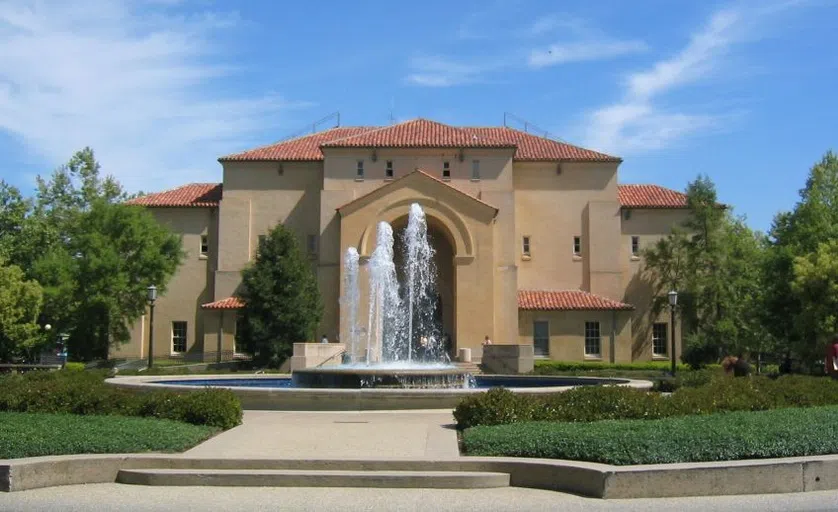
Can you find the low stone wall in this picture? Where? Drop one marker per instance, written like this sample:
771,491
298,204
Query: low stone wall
312,355
508,359
767,476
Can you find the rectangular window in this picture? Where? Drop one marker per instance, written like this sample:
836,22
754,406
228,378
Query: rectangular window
525,246
659,340
592,340
635,246
360,170
446,170
475,169
311,244
204,245
541,338
178,337
389,171
577,245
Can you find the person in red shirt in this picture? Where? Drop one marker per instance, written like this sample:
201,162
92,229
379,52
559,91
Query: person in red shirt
831,363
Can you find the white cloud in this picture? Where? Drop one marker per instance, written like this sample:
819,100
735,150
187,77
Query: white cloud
564,53
436,71
131,79
638,123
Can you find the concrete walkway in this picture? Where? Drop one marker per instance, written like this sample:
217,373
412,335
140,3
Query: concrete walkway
335,435
139,498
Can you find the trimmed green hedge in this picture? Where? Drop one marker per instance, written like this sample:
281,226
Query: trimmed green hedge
553,367
594,403
75,392
37,434
726,436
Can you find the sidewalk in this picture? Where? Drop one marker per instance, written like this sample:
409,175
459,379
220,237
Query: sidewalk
330,435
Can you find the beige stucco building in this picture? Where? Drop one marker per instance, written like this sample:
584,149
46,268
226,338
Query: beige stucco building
536,240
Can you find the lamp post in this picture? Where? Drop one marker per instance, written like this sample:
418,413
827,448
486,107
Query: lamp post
673,301
151,296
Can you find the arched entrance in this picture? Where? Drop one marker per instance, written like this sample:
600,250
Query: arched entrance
443,245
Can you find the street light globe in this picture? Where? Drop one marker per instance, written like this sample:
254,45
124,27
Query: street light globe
673,298
47,327
151,293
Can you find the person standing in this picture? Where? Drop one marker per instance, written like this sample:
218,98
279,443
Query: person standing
324,339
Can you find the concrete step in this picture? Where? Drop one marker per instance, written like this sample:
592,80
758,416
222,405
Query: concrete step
313,478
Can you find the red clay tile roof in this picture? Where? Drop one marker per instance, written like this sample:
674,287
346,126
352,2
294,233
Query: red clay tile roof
423,173
650,196
567,300
228,303
534,148
419,133
306,148
194,195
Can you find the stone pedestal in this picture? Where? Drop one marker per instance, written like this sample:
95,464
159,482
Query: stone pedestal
312,355
508,359
464,355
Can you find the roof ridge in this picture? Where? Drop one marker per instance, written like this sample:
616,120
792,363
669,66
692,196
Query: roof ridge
294,139
414,120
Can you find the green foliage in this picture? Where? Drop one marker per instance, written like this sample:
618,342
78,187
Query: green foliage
92,256
703,393
74,367
731,436
282,301
714,261
795,290
20,301
556,367
39,434
85,392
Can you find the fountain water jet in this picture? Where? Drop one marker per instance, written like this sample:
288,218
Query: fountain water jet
403,345
351,298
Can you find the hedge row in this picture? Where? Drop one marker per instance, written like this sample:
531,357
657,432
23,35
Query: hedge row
37,434
77,392
595,403
553,367
729,436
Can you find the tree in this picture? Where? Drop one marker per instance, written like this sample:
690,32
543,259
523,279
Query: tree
92,255
815,285
282,301
714,262
20,302
795,235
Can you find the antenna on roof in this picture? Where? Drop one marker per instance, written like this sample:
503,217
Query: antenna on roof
315,126
528,127
392,107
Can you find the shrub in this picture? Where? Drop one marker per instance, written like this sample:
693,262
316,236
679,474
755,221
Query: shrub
74,367
86,393
495,407
595,403
731,436
553,367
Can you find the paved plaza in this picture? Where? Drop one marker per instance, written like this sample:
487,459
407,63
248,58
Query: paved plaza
335,435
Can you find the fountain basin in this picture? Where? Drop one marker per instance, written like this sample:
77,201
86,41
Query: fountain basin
275,392
359,377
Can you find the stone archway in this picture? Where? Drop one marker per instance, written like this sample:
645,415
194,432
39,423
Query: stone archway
442,242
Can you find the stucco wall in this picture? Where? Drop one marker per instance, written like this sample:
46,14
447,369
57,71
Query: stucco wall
567,333
551,209
649,225
191,286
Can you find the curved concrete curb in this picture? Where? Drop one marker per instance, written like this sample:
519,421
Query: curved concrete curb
767,476
300,399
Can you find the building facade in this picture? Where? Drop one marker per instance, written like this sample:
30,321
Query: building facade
536,241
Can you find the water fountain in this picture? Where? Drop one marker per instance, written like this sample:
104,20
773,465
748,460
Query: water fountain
403,346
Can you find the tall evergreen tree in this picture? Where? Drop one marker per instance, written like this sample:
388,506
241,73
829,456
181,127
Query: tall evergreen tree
282,301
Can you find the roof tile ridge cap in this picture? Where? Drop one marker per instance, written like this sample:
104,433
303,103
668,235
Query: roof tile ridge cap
373,129
284,141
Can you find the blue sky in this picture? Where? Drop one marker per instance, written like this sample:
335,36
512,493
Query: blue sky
744,91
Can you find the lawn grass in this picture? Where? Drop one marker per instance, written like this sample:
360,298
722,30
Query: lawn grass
36,434
714,437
